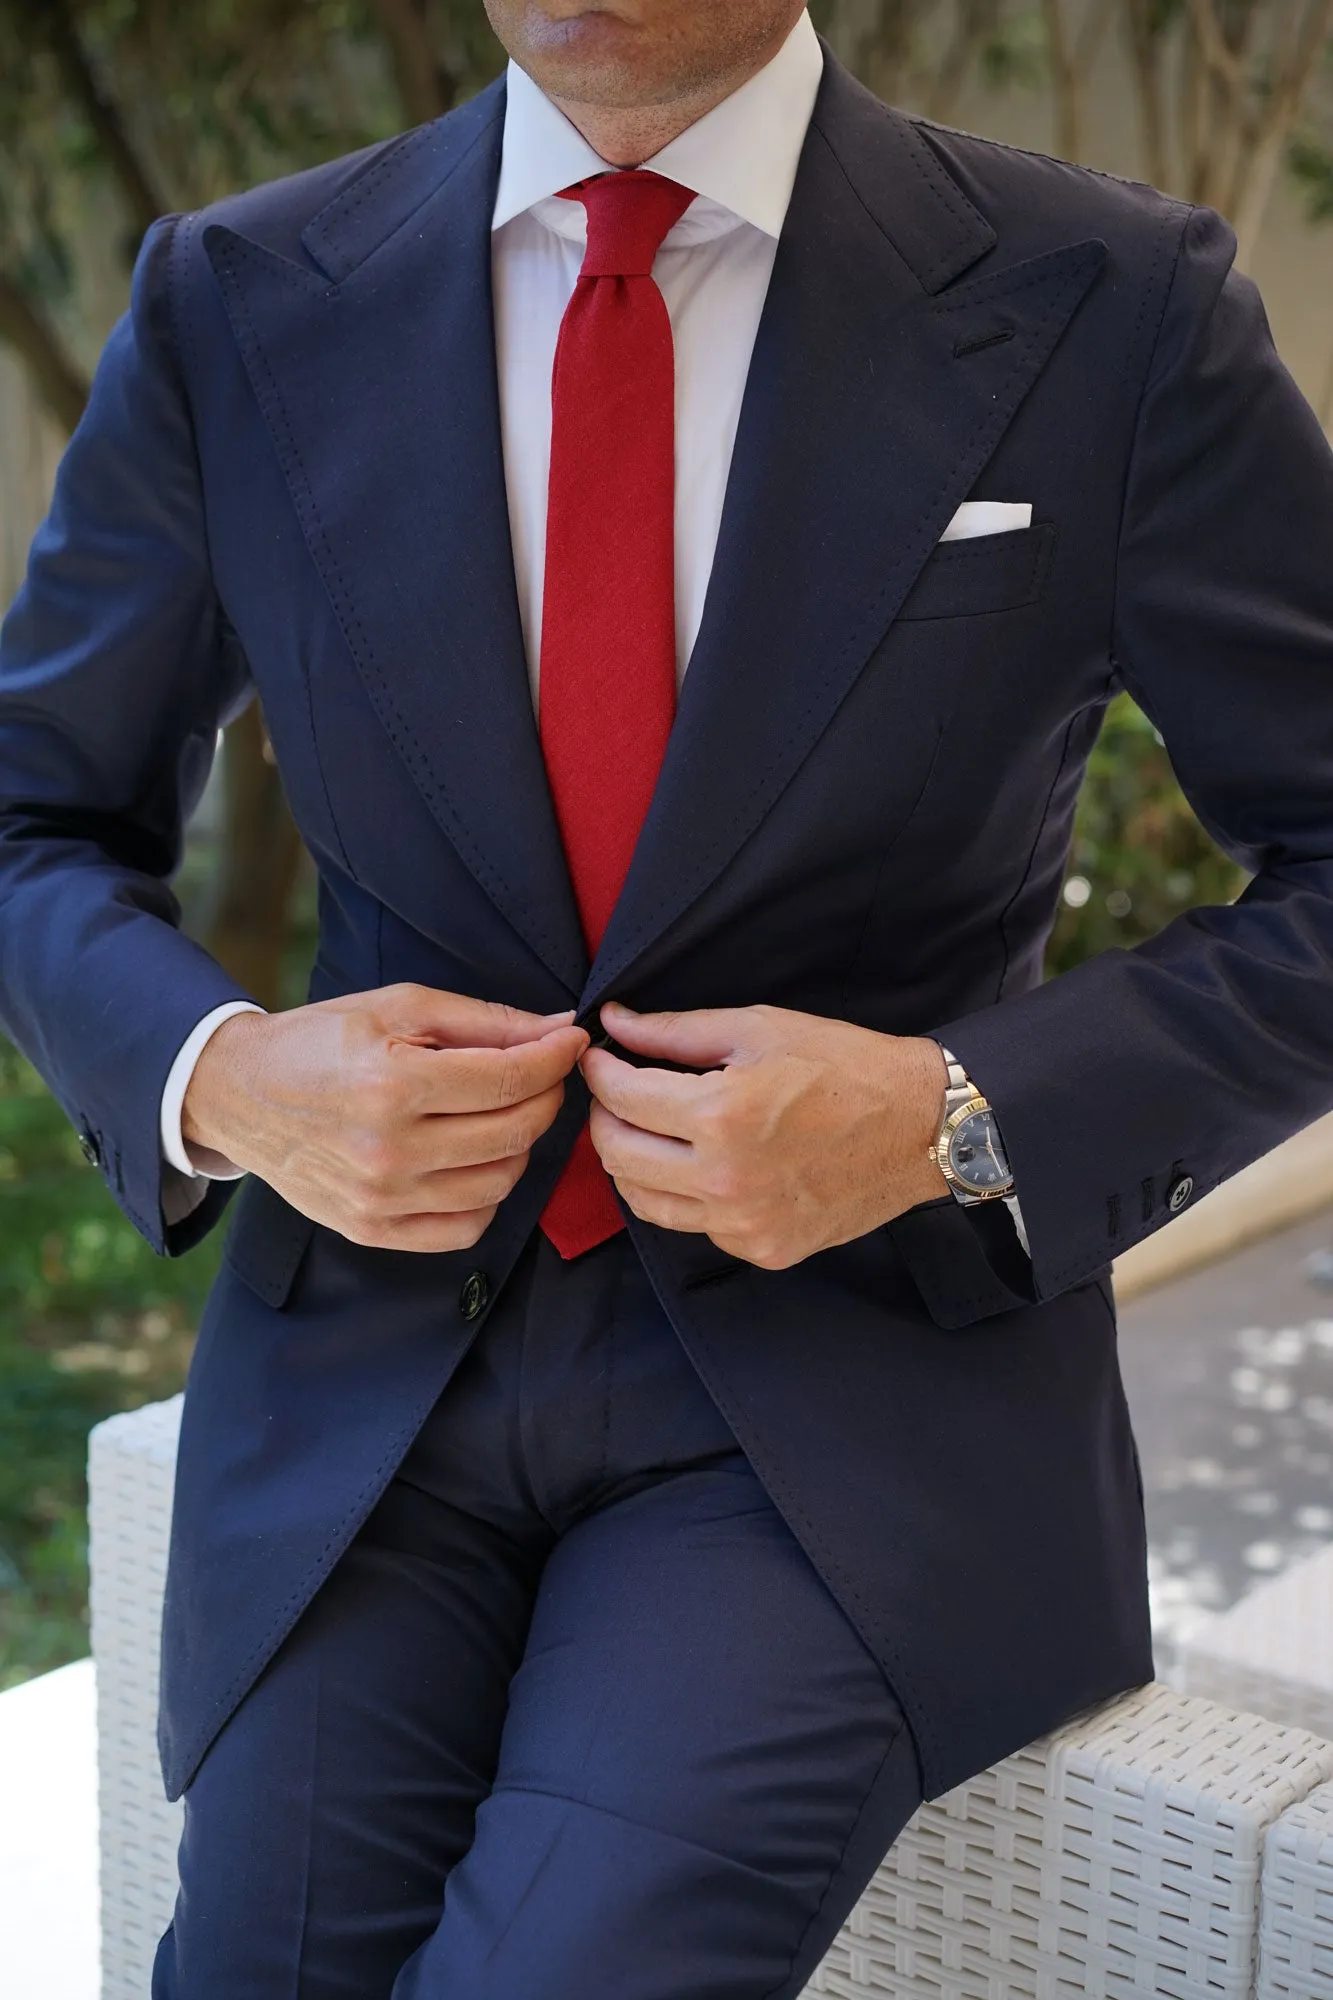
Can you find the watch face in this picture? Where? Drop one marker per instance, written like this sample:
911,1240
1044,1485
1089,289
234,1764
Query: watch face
977,1156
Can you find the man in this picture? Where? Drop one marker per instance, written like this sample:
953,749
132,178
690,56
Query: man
575,1587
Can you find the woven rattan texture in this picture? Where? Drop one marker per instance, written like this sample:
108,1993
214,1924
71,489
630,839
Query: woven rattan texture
1272,1652
1296,1922
1116,1859
131,1468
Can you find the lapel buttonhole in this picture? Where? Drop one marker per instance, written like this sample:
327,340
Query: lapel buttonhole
974,343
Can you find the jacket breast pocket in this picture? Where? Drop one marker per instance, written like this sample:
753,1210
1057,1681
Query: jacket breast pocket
267,1241
984,573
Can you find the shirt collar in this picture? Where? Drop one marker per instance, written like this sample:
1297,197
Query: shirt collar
743,155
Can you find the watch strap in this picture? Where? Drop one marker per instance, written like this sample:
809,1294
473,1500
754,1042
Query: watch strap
1011,1202
960,1086
959,1083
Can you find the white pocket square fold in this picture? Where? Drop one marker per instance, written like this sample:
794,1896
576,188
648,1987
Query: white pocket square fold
987,517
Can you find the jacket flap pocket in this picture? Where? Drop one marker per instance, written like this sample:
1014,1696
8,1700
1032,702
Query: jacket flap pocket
967,1262
266,1241
983,573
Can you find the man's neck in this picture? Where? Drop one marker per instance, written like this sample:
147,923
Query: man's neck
626,136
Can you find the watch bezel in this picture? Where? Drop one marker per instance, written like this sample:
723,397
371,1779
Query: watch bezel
943,1147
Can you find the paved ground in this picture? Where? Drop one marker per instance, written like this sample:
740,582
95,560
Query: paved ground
1230,1379
48,1838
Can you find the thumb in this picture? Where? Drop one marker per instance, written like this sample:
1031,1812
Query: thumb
706,1038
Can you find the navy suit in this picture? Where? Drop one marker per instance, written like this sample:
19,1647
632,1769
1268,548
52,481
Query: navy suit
290,473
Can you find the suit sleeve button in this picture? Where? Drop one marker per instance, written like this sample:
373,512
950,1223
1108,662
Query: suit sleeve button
89,1147
475,1295
1179,1193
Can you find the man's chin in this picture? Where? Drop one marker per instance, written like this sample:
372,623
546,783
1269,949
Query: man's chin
597,58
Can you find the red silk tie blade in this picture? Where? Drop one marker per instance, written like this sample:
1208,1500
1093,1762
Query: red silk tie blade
607,694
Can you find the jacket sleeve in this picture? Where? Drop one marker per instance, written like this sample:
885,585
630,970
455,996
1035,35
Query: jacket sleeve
1140,1080
117,668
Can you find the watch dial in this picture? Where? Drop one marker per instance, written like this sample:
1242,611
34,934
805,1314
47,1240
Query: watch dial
977,1156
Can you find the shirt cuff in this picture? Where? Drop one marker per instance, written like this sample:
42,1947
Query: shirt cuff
181,1197
1011,1203
201,1165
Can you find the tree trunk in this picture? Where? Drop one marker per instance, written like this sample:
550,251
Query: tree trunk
1256,168
1253,192
1068,82
261,849
1326,400
424,85
973,20
54,374
132,175
1146,59
260,860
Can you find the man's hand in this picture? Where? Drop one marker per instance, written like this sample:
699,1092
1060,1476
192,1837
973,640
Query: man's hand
401,1118
803,1133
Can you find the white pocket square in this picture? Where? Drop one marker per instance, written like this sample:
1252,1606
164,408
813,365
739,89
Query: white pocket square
987,517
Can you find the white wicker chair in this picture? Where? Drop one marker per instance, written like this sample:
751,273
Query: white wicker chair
131,1469
1296,1929
1116,1859
1272,1652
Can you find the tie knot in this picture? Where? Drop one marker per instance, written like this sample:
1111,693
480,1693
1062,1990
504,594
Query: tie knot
629,216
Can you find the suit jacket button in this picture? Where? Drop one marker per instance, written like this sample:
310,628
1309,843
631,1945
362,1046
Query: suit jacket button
89,1147
1180,1193
473,1298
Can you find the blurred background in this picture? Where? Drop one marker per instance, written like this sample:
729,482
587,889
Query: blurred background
113,112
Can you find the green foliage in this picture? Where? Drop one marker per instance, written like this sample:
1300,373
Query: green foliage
42,146
131,107
1310,154
90,1322
1140,856
234,91
1013,53
1311,164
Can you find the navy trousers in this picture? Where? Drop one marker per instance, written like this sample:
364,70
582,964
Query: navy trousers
574,1717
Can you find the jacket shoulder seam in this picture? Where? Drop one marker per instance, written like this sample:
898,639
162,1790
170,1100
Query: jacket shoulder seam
1076,168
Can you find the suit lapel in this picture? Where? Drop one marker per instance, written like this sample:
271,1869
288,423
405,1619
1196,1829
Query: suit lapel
376,373
875,397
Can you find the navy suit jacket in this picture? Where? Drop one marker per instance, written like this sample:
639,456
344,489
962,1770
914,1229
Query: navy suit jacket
290,476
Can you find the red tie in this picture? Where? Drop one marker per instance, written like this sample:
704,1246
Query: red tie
608,657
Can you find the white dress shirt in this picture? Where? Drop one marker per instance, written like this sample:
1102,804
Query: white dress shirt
713,269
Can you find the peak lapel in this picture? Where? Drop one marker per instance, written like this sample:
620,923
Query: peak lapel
378,382
875,397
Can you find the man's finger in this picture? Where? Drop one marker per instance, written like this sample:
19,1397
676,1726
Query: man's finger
421,1014
428,1234
490,1079
656,1100
461,1190
668,1211
669,1165
706,1039
472,1138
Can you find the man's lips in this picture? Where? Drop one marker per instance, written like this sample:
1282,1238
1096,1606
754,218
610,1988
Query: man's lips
580,24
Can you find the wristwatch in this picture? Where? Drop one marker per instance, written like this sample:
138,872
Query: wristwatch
969,1151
